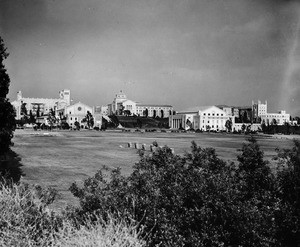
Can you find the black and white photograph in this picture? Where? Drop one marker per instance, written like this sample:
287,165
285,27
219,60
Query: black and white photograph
150,123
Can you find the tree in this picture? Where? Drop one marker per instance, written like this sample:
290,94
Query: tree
162,113
288,211
243,128
89,119
7,112
77,125
154,113
121,110
32,119
263,126
127,113
145,112
253,169
228,125
23,109
51,118
38,111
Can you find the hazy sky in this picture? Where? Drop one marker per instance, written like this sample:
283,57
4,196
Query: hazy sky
185,53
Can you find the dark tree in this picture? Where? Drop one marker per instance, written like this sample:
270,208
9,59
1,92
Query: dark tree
77,125
146,112
89,119
23,109
121,110
228,125
127,113
24,114
51,118
154,113
38,111
162,113
31,117
253,169
7,113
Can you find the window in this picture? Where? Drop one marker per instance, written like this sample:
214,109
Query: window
208,114
204,114
71,118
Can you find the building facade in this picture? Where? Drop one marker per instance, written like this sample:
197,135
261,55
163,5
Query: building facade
76,113
258,109
202,118
121,105
279,118
41,106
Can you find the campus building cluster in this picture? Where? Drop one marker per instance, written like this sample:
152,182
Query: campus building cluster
215,117
202,117
62,107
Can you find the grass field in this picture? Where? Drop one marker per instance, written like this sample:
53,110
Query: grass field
56,159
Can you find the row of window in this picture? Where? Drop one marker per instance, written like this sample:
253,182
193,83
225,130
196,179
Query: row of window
273,116
213,114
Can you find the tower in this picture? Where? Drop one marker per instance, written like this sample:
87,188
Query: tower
19,95
65,95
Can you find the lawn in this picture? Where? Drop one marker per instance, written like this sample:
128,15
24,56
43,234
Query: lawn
56,159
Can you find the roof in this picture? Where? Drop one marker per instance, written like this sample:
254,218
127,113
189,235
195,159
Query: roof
153,105
79,103
197,108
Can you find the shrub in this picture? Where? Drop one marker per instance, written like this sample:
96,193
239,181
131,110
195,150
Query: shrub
191,200
97,232
26,220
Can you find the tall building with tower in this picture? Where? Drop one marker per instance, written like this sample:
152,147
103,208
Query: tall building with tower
41,106
121,104
258,109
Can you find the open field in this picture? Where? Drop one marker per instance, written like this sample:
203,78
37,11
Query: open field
57,159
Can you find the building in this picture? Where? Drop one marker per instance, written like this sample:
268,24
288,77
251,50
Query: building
260,115
76,113
279,118
101,110
202,117
121,105
242,114
258,109
41,106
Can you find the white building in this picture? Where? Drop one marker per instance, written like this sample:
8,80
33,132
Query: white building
76,113
41,105
259,109
261,115
280,118
121,104
203,118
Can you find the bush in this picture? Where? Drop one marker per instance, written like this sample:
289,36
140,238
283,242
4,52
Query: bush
26,220
191,200
24,217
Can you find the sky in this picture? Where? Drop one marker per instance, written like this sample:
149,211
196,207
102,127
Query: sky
181,52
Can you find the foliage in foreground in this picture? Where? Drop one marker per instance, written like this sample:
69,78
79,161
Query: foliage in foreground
25,220
199,200
7,113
